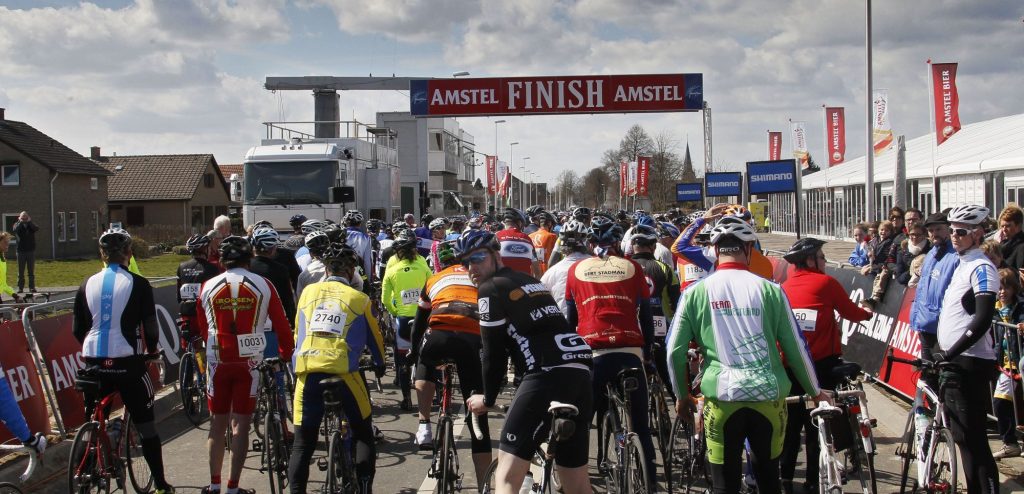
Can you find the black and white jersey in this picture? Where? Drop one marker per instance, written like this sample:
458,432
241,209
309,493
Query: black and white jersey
110,308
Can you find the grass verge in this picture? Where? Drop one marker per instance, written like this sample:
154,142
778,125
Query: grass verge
73,272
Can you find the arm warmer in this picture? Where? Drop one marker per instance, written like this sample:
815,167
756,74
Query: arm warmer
494,360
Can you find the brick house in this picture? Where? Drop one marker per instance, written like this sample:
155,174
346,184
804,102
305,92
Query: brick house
63,191
165,196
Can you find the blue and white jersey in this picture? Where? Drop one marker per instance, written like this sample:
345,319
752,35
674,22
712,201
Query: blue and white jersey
302,257
110,307
975,275
360,242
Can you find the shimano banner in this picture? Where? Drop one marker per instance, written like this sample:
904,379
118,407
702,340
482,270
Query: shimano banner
689,192
767,177
723,184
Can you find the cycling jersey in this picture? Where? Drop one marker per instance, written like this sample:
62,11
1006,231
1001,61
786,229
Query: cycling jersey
286,258
543,245
277,274
661,283
303,257
975,275
361,243
333,325
236,305
10,413
451,298
737,320
191,276
558,274
605,292
424,238
518,316
815,297
109,308
516,250
936,273
704,257
402,285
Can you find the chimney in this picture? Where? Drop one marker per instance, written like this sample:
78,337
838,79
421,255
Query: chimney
94,153
2,114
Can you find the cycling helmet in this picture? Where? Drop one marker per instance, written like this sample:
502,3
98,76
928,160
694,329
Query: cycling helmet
336,234
668,230
316,242
608,233
475,239
574,233
264,238
546,216
600,219
339,256
297,220
374,225
802,249
581,214
643,235
459,218
353,218
513,214
446,253
196,242
970,214
696,215
313,225
645,220
438,223
426,218
115,240
476,222
235,248
737,210
732,226
399,226
533,210
405,239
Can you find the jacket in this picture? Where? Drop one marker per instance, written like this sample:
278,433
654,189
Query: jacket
26,233
901,271
1013,251
936,273
333,326
859,256
402,284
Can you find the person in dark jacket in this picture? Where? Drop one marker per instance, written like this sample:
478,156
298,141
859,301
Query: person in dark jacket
25,230
1009,228
914,246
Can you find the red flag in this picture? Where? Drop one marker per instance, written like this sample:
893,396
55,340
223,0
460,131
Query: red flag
947,101
774,146
643,169
491,174
835,128
623,178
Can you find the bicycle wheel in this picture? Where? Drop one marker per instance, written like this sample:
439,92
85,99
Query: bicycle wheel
680,454
259,414
610,452
275,453
193,396
341,472
450,481
131,450
661,421
489,485
9,488
84,476
908,451
942,471
636,474
861,464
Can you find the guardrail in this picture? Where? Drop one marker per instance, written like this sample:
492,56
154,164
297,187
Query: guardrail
1012,346
26,322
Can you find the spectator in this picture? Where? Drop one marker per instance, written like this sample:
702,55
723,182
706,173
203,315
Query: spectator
993,252
1009,310
879,266
859,256
879,248
25,231
221,229
1010,221
912,249
5,242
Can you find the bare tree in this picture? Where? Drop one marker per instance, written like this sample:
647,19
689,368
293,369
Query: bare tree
635,143
666,169
596,186
567,188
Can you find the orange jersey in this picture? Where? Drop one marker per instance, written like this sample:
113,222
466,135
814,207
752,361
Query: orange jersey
543,245
451,298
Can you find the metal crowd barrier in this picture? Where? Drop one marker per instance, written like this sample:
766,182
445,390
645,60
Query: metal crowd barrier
1013,350
27,316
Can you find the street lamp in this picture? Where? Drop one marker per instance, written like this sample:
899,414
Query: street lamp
512,166
524,196
496,179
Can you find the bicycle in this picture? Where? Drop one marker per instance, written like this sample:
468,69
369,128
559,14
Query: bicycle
660,419
560,428
927,440
96,458
688,451
33,462
274,451
340,462
621,459
192,376
445,464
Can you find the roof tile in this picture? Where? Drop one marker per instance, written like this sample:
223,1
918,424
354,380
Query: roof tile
156,177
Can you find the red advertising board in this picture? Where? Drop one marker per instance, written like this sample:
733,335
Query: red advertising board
947,101
63,356
623,178
556,95
835,138
22,376
774,146
642,174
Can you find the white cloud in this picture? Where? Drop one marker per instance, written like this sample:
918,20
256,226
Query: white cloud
411,20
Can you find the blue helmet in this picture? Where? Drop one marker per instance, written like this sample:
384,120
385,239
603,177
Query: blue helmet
609,233
644,220
669,230
474,239
264,238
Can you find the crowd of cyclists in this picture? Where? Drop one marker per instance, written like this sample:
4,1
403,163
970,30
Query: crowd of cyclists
571,298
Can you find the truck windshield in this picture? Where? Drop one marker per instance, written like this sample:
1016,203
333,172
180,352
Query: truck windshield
302,182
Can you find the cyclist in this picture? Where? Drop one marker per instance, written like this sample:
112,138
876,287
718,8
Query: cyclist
296,238
265,241
302,254
458,224
110,309
815,297
936,273
531,213
447,329
5,289
315,242
543,238
236,305
738,320
664,290
191,276
516,247
604,296
575,246
403,280
387,250
667,235
424,236
965,339
438,232
335,323
360,242
581,215
518,316
14,420
703,257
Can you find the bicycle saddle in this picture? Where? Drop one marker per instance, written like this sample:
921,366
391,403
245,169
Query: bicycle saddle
631,378
846,370
332,386
563,409
87,380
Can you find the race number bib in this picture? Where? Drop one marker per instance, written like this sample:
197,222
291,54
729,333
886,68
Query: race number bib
251,345
328,321
410,297
660,326
806,318
693,273
189,291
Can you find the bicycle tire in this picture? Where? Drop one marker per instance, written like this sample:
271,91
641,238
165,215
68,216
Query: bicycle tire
259,414
82,462
9,488
489,486
680,453
341,473
636,475
660,420
862,461
449,459
190,390
139,473
909,454
275,454
611,465
944,473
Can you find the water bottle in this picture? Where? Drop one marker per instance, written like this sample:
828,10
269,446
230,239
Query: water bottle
527,487
114,431
920,428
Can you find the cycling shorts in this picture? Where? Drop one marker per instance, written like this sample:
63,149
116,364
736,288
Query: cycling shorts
128,376
231,388
462,349
528,422
309,397
728,423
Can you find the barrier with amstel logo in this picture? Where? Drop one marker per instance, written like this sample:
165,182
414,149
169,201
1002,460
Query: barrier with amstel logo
22,376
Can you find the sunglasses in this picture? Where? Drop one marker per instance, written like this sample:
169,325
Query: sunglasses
477,258
961,232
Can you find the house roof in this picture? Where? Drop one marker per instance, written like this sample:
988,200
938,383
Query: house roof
228,170
155,177
47,151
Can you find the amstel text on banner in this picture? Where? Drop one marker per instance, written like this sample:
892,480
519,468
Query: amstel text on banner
556,95
947,101
23,378
835,138
492,182
800,152
623,178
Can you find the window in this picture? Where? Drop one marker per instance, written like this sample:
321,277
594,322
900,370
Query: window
94,219
436,141
10,175
9,220
62,231
135,216
208,180
73,226
94,183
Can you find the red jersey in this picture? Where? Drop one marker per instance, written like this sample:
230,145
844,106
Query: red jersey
815,297
607,293
237,304
516,250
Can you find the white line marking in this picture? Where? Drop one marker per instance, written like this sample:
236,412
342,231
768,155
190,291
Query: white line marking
429,485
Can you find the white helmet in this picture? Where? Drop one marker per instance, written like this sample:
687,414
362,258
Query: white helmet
970,214
735,227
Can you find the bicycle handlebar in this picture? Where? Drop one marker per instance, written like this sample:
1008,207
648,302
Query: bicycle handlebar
846,393
33,456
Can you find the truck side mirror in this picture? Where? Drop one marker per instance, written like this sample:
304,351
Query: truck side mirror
338,195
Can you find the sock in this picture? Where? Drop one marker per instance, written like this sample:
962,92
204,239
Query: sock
214,483
233,486
154,458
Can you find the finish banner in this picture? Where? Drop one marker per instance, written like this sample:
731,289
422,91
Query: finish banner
643,171
800,144
723,184
492,182
689,192
774,146
835,134
882,133
556,95
947,101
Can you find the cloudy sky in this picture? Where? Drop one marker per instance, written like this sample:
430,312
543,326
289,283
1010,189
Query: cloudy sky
185,76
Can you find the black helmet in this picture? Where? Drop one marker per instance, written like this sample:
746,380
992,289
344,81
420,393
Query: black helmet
426,218
297,220
608,234
802,249
374,225
582,214
196,242
405,239
115,240
475,239
339,256
513,214
533,210
234,248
